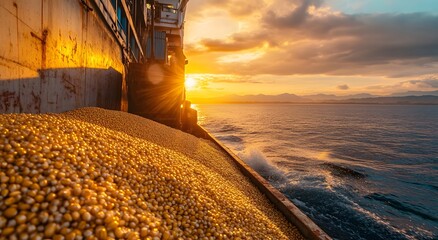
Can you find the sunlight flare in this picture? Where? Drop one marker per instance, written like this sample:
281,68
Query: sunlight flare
190,83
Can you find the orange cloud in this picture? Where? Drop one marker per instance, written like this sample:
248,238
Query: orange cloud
305,43
305,37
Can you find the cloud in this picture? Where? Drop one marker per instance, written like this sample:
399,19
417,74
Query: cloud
429,82
305,37
207,81
236,8
235,43
343,87
295,17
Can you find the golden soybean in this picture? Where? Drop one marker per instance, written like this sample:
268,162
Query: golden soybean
122,176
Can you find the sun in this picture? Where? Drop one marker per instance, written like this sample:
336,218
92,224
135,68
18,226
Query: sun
190,83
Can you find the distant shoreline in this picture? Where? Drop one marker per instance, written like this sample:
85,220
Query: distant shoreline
316,103
406,100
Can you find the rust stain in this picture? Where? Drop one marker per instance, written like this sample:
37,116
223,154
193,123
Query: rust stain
36,101
67,84
75,48
9,98
37,37
43,42
18,35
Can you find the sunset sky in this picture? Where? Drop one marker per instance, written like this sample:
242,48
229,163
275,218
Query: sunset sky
304,47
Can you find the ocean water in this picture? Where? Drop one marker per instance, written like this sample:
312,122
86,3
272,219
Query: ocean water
359,171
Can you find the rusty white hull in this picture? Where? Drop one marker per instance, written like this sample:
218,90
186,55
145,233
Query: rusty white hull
56,56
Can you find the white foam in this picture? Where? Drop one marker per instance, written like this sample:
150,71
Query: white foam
257,161
298,203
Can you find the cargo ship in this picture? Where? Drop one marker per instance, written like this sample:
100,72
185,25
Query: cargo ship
124,55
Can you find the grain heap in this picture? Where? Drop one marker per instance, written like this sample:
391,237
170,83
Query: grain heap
64,178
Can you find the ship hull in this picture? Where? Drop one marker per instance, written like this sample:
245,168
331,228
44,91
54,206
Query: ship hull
57,56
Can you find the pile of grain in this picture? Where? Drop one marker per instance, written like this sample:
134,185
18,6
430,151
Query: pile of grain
63,177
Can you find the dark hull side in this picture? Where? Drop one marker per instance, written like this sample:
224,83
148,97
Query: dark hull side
156,91
57,56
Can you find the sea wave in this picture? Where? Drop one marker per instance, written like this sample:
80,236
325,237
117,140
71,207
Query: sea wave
429,186
340,215
390,200
360,172
343,171
267,169
224,128
230,138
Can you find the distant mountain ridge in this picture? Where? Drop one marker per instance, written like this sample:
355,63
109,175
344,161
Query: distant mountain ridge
285,97
411,97
426,99
328,97
415,93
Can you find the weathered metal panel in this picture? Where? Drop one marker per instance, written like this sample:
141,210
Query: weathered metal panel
160,46
57,56
106,75
30,12
20,78
30,98
60,77
9,60
104,84
8,37
10,96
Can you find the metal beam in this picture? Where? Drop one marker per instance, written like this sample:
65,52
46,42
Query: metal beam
131,23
